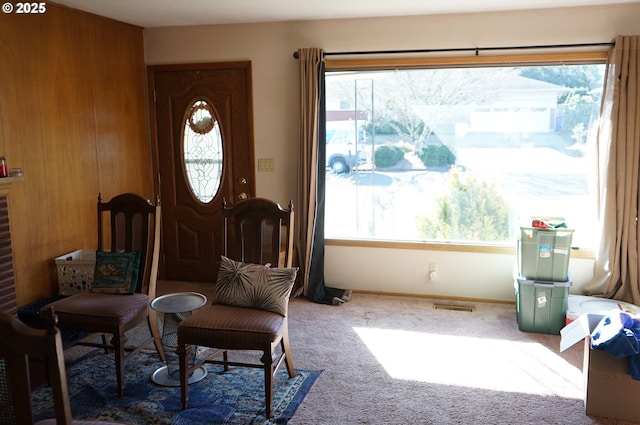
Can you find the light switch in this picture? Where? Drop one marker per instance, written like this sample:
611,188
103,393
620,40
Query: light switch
266,164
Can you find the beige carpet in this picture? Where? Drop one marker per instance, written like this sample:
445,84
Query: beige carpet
397,360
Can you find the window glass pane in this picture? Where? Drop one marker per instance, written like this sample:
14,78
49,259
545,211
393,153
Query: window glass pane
461,154
202,143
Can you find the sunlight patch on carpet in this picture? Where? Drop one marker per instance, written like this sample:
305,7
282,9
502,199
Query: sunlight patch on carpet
466,361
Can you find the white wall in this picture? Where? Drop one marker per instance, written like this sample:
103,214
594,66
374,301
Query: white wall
270,46
460,274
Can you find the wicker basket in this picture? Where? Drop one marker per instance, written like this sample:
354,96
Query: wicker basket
75,271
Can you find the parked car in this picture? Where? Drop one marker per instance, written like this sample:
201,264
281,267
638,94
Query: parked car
342,151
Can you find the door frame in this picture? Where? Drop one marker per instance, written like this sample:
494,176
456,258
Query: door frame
153,141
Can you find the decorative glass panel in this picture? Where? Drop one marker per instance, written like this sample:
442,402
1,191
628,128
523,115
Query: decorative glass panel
202,144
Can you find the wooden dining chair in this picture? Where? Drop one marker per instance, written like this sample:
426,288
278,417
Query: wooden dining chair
253,287
124,282
21,347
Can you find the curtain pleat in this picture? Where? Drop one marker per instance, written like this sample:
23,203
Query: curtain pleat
618,171
311,187
310,61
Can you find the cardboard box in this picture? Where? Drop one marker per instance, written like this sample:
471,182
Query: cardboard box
609,391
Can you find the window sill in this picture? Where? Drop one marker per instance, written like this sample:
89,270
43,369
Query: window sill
443,246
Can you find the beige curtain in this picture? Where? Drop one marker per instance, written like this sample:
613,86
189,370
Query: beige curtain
309,60
618,149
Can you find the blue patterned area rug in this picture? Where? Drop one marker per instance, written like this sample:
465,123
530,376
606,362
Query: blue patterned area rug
233,397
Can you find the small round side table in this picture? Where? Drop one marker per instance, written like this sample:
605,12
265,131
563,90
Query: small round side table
175,308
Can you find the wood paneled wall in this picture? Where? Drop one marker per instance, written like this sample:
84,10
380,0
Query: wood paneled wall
73,116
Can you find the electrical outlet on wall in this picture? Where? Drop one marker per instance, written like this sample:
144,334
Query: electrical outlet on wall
433,272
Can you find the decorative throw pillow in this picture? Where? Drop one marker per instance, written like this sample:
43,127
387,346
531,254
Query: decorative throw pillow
116,272
254,286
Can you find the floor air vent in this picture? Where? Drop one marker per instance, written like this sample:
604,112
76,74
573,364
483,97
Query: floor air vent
454,307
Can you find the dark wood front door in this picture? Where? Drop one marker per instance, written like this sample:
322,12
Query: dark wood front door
204,153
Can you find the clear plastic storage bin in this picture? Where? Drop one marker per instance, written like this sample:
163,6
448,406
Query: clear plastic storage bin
541,306
543,254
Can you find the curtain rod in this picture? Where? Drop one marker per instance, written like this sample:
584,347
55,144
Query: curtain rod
477,50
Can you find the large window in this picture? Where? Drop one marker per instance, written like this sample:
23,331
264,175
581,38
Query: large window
461,154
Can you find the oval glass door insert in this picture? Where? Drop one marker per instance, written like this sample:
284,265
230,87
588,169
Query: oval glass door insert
202,148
